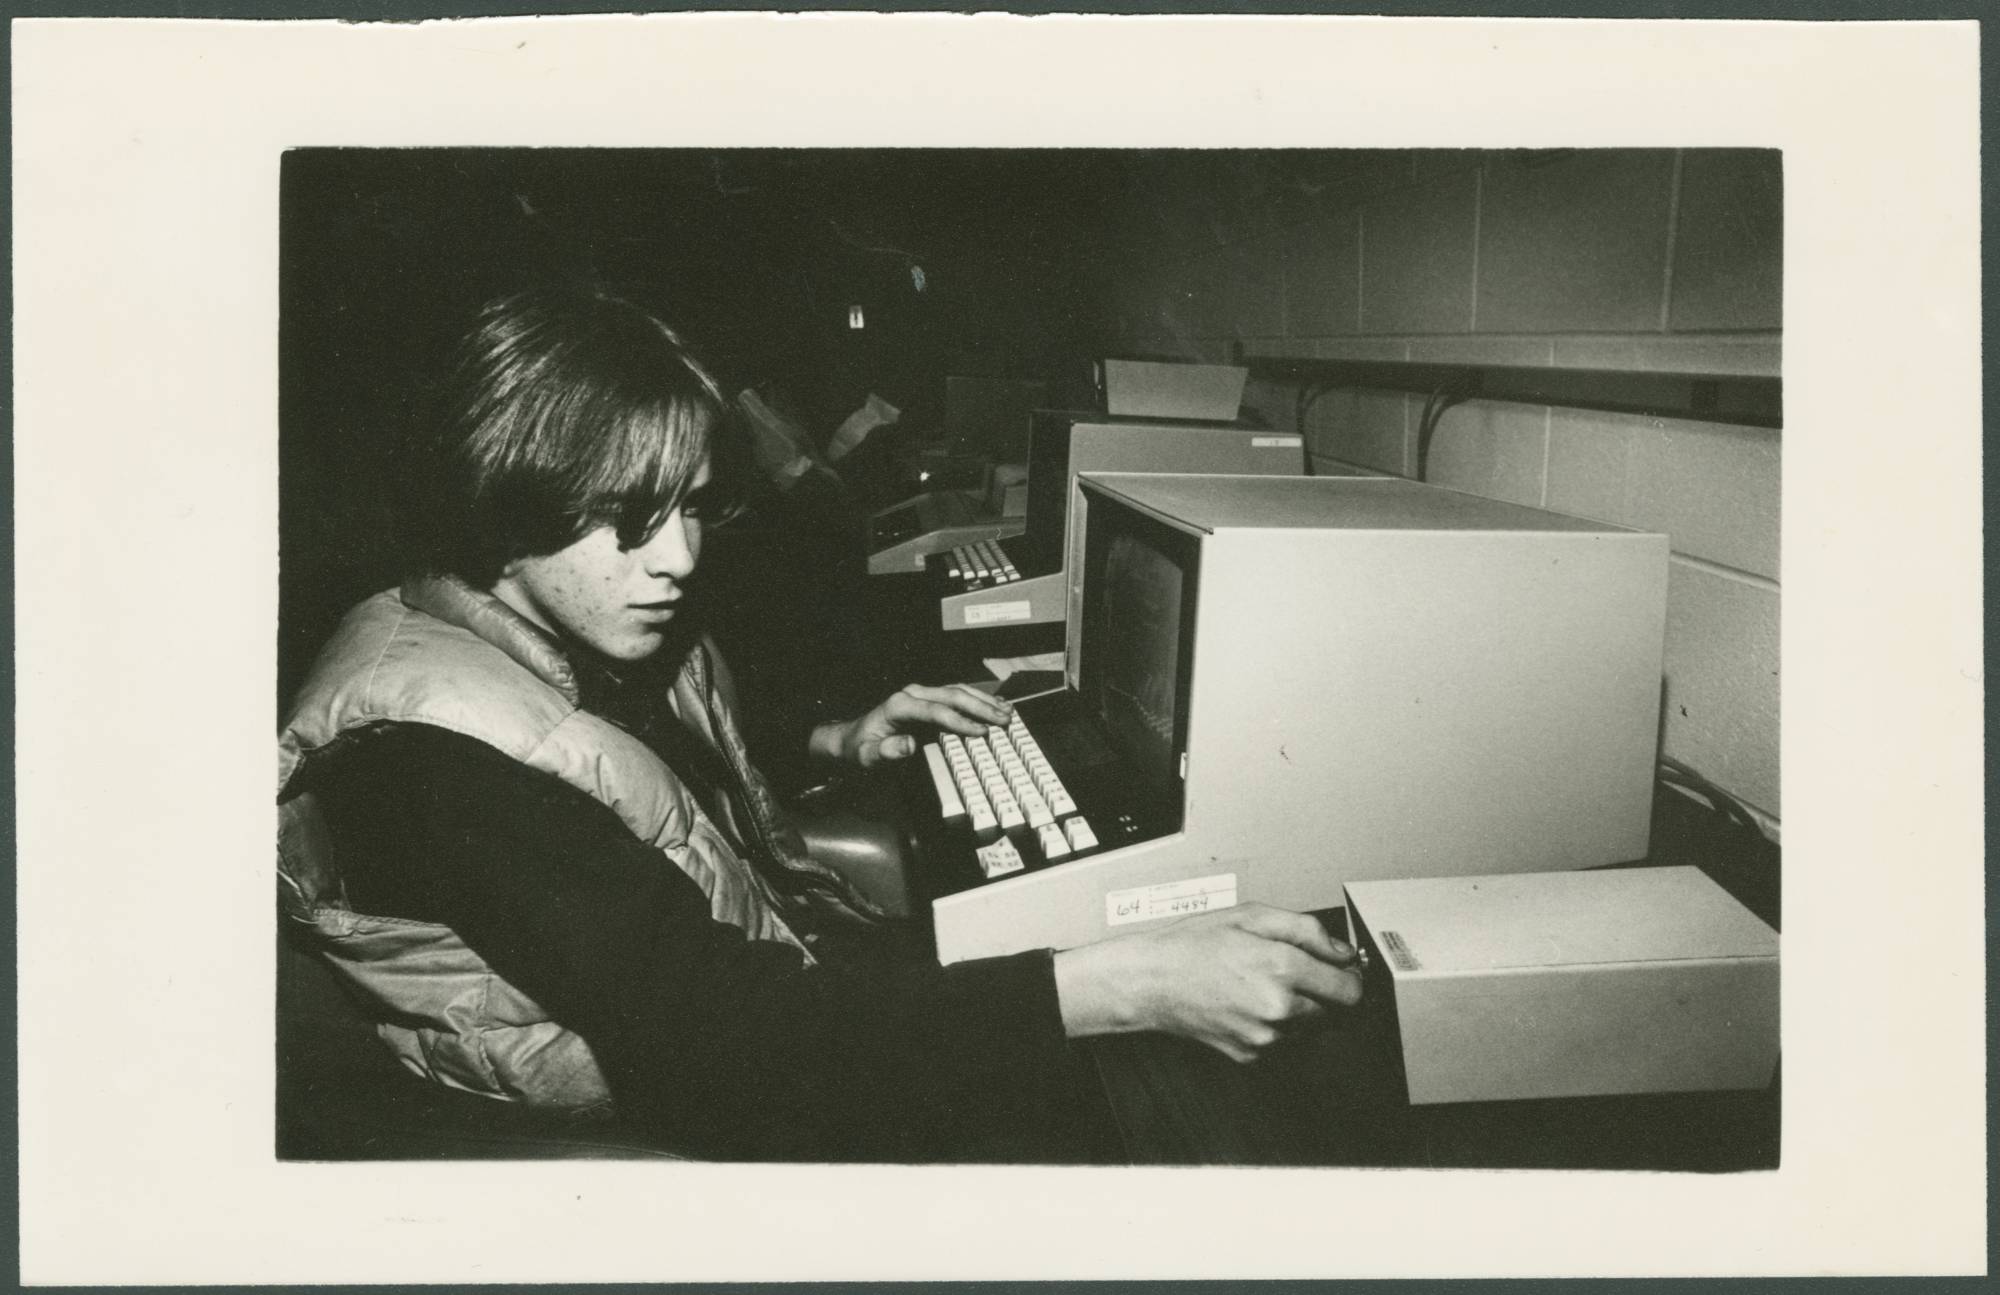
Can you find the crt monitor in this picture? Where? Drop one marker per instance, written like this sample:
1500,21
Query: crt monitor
1277,685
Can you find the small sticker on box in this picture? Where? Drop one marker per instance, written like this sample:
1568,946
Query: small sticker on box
1399,952
1170,899
991,612
1275,442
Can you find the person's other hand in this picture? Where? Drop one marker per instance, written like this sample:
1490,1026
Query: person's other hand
1234,979
891,731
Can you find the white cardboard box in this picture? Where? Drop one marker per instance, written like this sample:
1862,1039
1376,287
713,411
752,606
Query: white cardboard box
1566,984
1152,389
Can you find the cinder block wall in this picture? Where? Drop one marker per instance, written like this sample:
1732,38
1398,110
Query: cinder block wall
1613,259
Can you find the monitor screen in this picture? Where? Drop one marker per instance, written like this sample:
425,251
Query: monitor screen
1136,652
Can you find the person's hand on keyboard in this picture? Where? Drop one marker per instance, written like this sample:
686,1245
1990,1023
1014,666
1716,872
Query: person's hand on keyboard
1233,979
892,731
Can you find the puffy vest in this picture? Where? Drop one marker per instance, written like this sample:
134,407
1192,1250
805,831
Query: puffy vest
439,652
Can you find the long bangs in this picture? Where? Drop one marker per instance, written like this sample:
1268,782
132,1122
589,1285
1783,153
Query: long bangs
567,411
645,463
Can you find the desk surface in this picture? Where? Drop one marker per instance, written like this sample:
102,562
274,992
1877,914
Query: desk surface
1332,1094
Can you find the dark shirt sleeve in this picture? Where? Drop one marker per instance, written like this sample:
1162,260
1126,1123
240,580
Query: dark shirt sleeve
725,1045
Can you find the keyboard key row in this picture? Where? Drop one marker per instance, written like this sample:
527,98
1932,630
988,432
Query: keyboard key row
983,560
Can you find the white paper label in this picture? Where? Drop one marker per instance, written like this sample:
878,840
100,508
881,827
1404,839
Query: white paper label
990,612
1275,442
1170,899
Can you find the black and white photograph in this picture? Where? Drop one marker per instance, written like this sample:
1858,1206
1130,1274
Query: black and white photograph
910,672
1013,805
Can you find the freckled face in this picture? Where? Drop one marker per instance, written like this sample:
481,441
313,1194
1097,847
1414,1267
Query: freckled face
613,600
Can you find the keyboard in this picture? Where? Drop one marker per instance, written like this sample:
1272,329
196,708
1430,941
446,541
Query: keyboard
1003,786
981,564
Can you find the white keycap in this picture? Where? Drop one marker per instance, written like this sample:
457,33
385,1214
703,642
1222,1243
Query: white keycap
999,858
1009,811
1079,833
1053,845
1037,810
947,791
1060,803
982,815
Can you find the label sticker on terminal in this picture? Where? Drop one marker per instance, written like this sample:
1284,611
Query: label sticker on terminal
991,612
1275,442
1170,899
1399,952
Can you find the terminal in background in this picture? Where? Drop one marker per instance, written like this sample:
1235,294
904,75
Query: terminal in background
985,437
1031,579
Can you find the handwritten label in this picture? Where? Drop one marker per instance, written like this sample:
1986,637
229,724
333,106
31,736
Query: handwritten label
991,612
1170,899
1275,442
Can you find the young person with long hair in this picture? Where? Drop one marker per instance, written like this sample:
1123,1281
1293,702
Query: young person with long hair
518,817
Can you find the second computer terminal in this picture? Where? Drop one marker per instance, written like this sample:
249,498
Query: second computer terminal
1029,578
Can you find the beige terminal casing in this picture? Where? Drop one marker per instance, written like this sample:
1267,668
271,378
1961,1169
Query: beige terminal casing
902,535
1389,680
1102,445
1570,984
